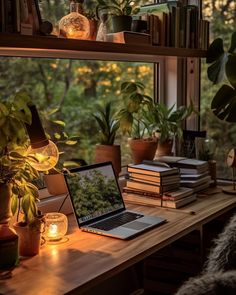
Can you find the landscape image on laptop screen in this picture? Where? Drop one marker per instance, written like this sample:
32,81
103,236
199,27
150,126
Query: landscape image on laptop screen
94,192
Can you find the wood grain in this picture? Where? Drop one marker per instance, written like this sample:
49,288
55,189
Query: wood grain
87,259
39,46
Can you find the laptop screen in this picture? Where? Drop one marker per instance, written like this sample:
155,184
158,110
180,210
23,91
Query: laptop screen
94,191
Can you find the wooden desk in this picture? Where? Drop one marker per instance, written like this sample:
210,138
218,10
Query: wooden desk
87,259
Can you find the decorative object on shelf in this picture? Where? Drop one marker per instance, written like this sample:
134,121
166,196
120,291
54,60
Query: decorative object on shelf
231,162
134,120
120,12
46,28
223,67
108,125
56,225
74,25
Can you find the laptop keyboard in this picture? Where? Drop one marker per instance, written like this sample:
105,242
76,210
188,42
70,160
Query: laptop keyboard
116,221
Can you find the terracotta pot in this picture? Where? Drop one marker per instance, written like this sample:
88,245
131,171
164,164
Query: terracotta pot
5,201
143,149
56,184
104,153
164,148
29,238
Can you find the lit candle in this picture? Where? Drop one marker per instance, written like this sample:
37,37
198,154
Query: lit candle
52,231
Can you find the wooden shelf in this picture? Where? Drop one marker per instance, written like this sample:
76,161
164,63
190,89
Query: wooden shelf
52,47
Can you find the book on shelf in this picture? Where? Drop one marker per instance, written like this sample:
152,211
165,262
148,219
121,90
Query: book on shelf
195,182
168,179
129,37
176,23
154,170
174,195
151,187
143,200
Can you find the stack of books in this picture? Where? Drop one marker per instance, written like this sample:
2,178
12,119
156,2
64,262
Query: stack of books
176,23
156,185
193,173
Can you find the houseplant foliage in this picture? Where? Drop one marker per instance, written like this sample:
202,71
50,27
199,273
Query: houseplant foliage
120,12
167,122
223,68
136,107
16,173
108,127
15,169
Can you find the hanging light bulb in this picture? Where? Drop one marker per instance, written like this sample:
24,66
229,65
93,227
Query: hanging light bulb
43,153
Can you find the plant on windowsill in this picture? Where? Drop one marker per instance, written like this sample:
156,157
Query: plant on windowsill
136,107
167,123
223,68
108,127
120,12
18,194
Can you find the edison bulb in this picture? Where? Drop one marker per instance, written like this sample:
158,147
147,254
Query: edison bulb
44,158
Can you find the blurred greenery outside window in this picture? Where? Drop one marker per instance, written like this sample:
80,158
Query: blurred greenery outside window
75,87
222,15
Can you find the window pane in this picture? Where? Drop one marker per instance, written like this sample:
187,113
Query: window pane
222,15
76,88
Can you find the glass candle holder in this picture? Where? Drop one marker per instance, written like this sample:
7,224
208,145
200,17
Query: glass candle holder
56,225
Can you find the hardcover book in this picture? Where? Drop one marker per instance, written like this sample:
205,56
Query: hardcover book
152,188
142,200
152,170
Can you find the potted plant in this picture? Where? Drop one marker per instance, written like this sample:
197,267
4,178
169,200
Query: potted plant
108,125
18,194
223,67
133,118
167,123
120,12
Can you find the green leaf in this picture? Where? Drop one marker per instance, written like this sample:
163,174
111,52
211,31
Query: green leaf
233,43
14,203
216,71
59,122
230,70
224,104
215,50
71,142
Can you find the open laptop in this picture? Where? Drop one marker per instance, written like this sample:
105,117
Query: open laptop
98,204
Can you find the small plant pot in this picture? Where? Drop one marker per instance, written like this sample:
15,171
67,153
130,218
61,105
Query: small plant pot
164,148
29,238
143,149
104,153
56,184
121,23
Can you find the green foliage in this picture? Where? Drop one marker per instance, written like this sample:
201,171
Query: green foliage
223,66
119,7
135,109
167,121
107,123
94,193
15,167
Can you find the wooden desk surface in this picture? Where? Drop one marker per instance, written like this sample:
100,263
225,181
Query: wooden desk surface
86,259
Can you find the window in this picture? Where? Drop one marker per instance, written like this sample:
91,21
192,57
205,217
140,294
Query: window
222,16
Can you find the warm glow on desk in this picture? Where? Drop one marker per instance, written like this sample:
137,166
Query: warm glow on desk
55,226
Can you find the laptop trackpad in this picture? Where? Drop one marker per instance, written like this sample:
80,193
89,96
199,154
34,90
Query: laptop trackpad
136,225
